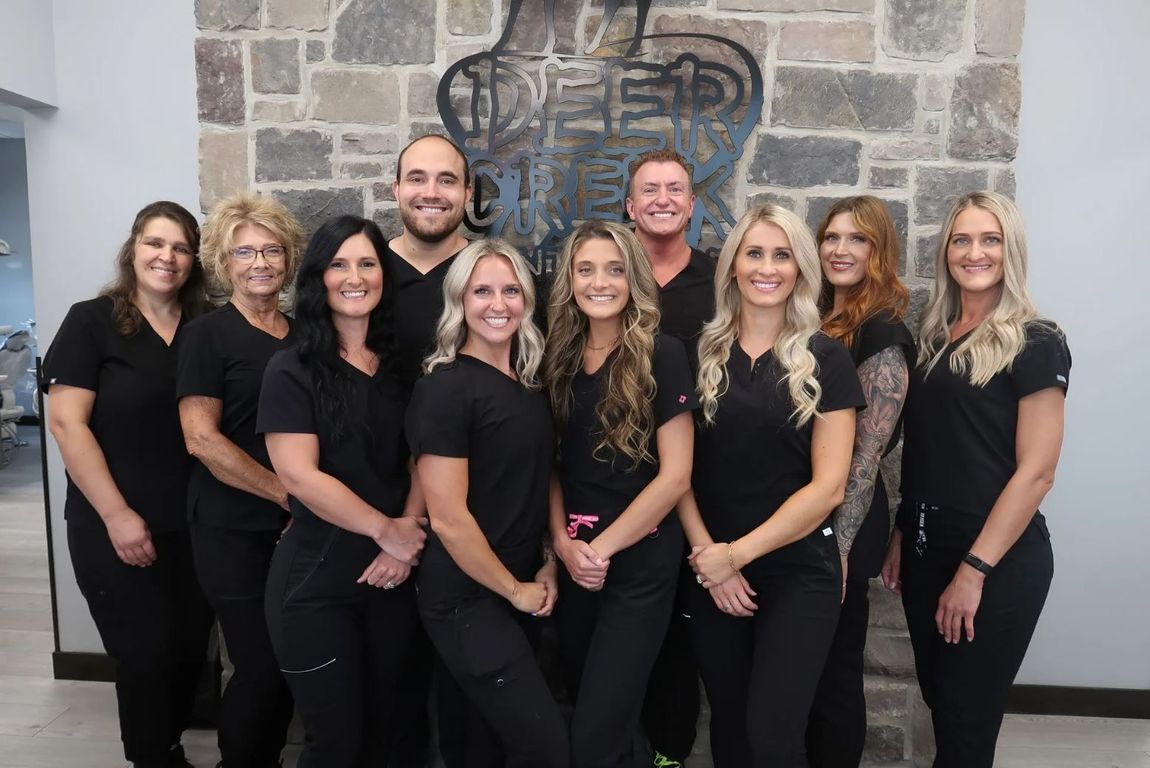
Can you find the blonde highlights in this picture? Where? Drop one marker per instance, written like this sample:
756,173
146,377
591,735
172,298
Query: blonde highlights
241,210
451,331
792,347
625,416
994,343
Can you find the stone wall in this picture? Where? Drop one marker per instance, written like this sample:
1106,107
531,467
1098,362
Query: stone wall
911,100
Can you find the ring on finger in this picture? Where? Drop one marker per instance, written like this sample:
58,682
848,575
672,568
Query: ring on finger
389,585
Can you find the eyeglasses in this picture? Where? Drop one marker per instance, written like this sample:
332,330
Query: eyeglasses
271,253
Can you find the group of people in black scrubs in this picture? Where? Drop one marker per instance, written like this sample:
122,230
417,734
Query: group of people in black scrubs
673,457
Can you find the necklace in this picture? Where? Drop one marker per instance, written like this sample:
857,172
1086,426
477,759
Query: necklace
612,343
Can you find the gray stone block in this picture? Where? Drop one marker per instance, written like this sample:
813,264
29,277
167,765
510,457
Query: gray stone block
880,176
381,191
794,6
926,255
905,149
361,169
308,15
292,155
770,198
998,27
984,112
937,187
367,32
925,30
804,161
888,652
886,699
885,608
369,143
826,41
810,97
755,36
919,296
884,742
425,129
421,89
219,80
932,125
312,207
316,51
1004,182
529,32
389,221
223,165
469,17
275,66
355,96
225,15
935,92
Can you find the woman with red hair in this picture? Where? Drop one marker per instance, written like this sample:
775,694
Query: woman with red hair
862,304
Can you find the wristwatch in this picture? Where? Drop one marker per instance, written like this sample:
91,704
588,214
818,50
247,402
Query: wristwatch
977,563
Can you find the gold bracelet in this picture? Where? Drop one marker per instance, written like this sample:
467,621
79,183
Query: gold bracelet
731,558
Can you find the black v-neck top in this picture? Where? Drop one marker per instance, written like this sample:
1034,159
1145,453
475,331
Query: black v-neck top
471,410
687,301
223,356
959,442
418,305
134,418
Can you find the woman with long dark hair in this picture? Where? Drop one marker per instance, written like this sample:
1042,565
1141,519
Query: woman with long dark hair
237,507
340,606
481,433
110,378
862,304
622,396
774,446
984,423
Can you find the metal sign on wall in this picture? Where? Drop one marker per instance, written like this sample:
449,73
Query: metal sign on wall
550,135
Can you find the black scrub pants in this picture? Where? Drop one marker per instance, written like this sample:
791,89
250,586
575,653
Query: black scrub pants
609,640
490,683
154,624
340,645
966,685
671,708
761,672
256,707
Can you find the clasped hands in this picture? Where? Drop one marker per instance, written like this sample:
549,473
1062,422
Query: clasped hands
728,588
585,566
400,542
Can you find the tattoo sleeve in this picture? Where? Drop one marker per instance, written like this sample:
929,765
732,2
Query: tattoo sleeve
884,382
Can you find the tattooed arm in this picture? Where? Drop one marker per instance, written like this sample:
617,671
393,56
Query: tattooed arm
884,381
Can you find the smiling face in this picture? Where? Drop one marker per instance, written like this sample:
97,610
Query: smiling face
493,303
261,276
974,251
599,279
765,269
354,279
660,201
844,252
162,258
431,190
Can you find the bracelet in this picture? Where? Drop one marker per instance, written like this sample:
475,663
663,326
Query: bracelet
731,558
977,563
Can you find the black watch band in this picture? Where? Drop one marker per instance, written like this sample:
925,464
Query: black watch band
977,563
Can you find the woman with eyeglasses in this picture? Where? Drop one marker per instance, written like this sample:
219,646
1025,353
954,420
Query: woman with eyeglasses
110,378
237,507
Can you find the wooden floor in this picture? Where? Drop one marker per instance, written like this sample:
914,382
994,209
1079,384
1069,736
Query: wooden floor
46,722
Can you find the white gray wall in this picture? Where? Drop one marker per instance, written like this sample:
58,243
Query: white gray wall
1083,162
27,76
124,134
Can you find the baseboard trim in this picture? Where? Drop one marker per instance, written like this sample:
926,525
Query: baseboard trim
79,665
1079,702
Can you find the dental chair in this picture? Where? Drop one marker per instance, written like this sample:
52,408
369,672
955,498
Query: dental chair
15,360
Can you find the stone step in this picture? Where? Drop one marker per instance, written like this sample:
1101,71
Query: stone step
885,607
884,742
888,652
886,699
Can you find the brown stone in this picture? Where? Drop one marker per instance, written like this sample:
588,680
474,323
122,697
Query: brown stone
392,32
925,30
469,17
793,6
223,165
998,27
220,80
752,35
421,91
278,111
826,41
984,111
369,143
275,66
308,15
355,96
224,15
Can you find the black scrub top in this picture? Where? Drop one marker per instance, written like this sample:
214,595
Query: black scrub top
134,418
222,355
471,410
369,456
880,331
418,305
687,301
604,487
754,458
959,442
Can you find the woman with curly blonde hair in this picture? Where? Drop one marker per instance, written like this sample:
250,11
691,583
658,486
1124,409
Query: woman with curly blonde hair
237,507
771,460
481,434
622,396
984,423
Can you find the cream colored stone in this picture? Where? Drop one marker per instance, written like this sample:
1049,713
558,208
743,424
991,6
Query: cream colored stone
998,27
223,165
308,15
826,41
355,96
278,111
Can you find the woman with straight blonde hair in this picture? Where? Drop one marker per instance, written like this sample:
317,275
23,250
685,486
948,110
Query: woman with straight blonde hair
984,424
771,460
622,396
862,304
480,432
